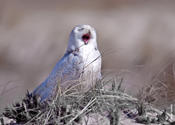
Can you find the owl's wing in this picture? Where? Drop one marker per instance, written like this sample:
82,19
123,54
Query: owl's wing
68,68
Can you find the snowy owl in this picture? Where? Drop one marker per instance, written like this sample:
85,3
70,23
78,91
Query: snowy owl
81,64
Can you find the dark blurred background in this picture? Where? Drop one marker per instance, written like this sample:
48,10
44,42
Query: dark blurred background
137,38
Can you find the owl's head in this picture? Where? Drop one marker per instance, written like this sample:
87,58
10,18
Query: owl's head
82,35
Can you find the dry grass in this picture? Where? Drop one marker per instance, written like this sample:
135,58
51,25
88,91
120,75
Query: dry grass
72,107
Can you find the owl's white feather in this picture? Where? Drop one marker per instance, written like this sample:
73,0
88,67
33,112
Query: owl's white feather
81,60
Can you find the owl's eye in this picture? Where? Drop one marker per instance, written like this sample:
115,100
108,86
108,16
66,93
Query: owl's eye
80,29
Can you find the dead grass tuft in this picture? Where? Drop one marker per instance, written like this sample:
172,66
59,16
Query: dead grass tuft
72,108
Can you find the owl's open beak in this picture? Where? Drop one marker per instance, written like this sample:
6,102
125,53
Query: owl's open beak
86,37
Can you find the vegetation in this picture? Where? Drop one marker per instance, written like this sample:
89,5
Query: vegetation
75,108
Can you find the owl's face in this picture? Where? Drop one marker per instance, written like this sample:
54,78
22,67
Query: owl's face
82,35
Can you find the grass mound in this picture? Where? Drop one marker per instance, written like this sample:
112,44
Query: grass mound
74,108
